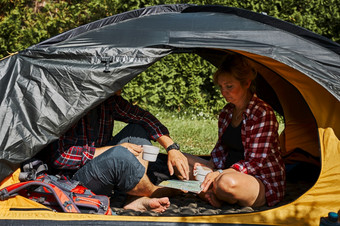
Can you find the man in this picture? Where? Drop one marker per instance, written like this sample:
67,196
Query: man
107,164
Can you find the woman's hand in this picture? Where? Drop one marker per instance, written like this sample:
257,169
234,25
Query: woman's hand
133,148
209,179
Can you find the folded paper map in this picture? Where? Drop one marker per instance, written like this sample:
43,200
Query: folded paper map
186,185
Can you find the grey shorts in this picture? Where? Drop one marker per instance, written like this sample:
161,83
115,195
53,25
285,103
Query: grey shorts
117,169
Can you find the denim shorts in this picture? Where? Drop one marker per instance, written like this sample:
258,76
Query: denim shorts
117,169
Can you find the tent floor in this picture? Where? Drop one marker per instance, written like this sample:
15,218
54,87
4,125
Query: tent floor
190,205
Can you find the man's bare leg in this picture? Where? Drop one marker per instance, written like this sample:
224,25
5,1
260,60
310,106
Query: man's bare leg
145,203
146,188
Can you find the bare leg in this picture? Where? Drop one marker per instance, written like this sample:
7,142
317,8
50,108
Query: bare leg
146,188
235,187
145,203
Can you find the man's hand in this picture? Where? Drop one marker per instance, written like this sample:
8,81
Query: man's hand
133,148
175,159
101,150
178,160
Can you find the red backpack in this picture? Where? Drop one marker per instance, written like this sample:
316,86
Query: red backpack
59,193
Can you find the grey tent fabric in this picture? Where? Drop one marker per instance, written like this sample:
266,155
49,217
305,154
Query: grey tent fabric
41,102
47,87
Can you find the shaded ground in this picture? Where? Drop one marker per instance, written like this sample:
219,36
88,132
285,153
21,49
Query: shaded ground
190,205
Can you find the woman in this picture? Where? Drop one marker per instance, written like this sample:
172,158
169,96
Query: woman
246,164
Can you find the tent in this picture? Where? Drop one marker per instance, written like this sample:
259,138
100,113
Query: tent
49,86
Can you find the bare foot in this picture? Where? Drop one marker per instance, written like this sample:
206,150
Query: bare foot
210,197
213,200
145,203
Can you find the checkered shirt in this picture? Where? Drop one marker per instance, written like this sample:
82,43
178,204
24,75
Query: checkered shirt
77,146
262,155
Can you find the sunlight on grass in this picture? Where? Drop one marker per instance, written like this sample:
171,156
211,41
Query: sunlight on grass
195,134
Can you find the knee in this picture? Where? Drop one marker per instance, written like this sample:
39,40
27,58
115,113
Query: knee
225,184
119,156
118,152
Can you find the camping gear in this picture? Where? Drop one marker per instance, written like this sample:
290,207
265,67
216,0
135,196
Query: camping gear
48,87
56,192
331,220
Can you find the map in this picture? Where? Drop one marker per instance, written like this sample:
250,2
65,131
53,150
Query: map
186,185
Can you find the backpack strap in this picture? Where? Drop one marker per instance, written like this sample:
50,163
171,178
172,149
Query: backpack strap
66,204
31,169
60,181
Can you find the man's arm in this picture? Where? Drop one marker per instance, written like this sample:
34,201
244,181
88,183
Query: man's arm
71,152
73,157
175,158
126,112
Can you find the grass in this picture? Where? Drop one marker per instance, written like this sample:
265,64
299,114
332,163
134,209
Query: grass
196,133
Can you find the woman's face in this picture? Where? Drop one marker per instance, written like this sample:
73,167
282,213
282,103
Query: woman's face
231,89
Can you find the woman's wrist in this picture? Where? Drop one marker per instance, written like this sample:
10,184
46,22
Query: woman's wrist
219,170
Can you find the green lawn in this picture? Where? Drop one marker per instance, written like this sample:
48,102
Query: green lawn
196,134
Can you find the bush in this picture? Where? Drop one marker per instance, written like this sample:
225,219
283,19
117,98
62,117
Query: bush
177,82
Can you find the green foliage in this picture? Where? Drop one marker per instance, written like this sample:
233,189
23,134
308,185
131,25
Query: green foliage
26,23
177,82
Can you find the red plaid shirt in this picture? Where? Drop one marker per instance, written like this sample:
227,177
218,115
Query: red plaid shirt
262,155
77,146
